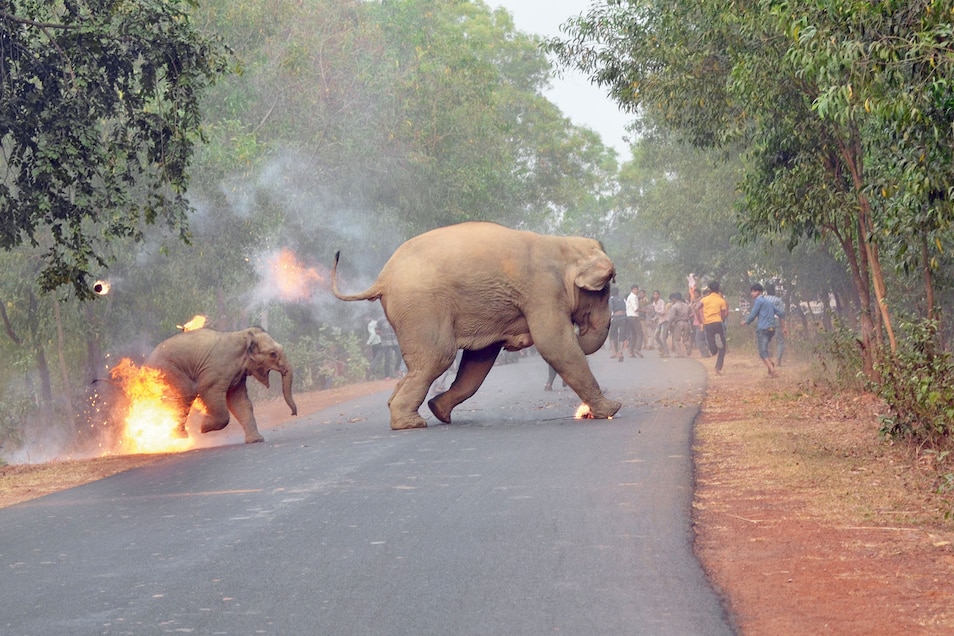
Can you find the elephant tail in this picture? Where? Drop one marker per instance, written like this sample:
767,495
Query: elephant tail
372,293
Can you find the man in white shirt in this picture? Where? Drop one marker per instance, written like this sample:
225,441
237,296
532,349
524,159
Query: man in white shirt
374,341
635,323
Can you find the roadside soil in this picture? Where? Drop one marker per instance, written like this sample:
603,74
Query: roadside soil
805,520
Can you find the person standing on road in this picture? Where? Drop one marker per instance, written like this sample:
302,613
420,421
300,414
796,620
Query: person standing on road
679,316
618,327
392,351
659,317
715,310
374,342
645,310
635,323
764,311
698,333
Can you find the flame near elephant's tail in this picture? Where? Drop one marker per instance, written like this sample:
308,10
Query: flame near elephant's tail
372,293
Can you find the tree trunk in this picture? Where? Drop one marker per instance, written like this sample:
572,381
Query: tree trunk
858,265
877,277
852,155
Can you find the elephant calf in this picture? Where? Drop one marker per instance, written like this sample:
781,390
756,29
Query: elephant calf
212,365
482,287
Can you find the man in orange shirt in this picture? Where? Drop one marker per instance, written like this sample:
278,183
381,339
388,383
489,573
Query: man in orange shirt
715,310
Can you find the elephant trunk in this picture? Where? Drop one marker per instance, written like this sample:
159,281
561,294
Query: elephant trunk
592,339
287,390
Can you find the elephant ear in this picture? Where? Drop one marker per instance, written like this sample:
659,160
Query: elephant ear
594,272
254,354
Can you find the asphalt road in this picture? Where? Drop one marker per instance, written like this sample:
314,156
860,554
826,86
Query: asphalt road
515,519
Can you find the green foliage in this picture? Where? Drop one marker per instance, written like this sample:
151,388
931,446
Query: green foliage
11,424
677,207
100,114
918,386
838,357
333,358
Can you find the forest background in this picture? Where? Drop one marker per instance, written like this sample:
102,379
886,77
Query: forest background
192,155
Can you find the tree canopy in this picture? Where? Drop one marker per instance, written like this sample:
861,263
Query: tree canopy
841,110
99,116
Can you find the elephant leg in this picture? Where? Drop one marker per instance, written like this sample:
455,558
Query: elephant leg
423,367
241,407
213,410
180,393
182,416
474,367
563,353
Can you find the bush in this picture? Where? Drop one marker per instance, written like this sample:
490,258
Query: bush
332,359
14,413
918,385
838,354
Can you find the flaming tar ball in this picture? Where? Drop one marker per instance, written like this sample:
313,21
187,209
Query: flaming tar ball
101,287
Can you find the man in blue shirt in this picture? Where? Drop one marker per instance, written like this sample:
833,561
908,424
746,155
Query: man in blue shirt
764,311
781,332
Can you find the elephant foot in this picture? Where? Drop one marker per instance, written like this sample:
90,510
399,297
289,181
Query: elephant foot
605,409
443,414
208,427
254,439
408,423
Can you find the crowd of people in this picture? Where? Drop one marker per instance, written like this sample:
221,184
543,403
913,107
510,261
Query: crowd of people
681,325
676,326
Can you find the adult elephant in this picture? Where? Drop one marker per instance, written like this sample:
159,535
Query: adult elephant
481,287
213,365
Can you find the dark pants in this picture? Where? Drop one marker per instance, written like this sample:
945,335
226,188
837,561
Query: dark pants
618,334
715,338
392,360
635,334
376,351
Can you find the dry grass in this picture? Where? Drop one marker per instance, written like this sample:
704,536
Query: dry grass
810,522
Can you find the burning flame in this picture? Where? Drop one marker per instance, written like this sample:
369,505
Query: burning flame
583,412
151,421
197,322
101,287
292,281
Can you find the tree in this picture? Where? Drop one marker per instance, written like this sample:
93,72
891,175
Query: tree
810,92
99,116
884,69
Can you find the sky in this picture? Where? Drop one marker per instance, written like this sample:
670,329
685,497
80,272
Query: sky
585,104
